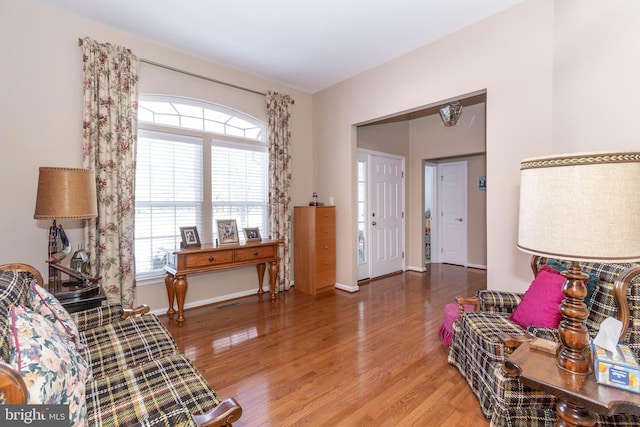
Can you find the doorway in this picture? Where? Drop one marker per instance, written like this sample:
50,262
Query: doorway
452,212
429,202
380,214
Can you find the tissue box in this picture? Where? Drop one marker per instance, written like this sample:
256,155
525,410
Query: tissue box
623,372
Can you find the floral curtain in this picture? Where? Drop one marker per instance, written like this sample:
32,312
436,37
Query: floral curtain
278,110
109,138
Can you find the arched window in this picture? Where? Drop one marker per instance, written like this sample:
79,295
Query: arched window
196,162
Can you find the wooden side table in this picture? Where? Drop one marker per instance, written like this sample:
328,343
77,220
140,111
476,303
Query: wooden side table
78,298
580,395
212,258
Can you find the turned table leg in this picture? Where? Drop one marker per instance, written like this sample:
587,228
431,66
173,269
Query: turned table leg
273,278
180,288
168,282
260,268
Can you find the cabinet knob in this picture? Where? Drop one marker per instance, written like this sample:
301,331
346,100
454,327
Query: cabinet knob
210,258
256,253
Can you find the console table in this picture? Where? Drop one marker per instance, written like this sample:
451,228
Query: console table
580,395
210,258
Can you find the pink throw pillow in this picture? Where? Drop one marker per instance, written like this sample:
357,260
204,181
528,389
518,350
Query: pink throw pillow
540,305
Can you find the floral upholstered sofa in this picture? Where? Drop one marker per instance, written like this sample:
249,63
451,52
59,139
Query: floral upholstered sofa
483,339
112,367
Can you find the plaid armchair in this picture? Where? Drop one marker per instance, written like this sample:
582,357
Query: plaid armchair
483,339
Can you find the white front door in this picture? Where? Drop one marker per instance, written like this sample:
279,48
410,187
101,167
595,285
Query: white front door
453,212
386,214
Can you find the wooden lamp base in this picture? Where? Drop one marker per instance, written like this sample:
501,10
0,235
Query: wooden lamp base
572,330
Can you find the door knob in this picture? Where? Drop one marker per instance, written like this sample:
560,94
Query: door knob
459,219
374,223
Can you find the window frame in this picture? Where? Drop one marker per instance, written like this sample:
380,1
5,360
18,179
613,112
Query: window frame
209,139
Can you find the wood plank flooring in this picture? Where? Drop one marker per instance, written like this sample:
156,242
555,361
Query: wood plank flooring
371,358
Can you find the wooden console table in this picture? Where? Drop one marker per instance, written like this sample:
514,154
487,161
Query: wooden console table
580,395
209,258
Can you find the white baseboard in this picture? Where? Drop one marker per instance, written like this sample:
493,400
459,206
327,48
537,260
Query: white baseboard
346,288
418,269
212,300
478,266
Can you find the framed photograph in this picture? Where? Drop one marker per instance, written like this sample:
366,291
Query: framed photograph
227,232
190,238
252,234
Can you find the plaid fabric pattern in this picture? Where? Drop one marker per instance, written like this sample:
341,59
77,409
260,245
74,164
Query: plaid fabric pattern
513,399
148,392
14,290
479,355
498,301
174,417
120,345
524,417
96,317
476,349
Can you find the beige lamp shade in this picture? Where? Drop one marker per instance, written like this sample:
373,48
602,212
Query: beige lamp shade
581,207
66,193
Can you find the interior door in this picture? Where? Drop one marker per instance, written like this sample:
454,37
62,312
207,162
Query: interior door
453,212
386,214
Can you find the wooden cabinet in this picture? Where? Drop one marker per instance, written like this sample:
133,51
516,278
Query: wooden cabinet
314,234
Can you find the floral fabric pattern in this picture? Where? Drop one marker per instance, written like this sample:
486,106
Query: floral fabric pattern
109,140
49,364
279,115
45,304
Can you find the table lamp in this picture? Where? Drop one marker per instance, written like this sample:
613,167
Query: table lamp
64,193
580,207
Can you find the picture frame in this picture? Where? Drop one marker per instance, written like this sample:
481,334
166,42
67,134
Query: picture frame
190,237
252,234
227,232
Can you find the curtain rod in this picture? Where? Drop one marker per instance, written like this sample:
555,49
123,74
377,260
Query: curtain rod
199,76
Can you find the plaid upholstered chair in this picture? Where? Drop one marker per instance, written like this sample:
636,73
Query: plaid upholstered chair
483,339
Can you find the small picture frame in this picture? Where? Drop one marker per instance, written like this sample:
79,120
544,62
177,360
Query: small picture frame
227,232
190,238
252,234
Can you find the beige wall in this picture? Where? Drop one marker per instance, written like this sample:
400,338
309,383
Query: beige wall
595,75
390,138
41,113
509,56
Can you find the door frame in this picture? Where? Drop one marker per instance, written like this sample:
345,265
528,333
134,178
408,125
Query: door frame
363,154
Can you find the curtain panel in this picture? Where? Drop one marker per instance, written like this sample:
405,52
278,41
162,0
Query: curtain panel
279,114
109,137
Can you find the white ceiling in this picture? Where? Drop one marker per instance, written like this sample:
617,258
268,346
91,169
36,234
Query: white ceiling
305,44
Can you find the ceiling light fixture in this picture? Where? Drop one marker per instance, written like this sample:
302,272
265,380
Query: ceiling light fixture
450,113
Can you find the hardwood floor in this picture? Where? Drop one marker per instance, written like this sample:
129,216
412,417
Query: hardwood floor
371,358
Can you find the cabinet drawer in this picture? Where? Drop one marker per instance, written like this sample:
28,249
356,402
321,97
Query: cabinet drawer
325,215
325,264
325,255
324,230
326,279
255,253
204,259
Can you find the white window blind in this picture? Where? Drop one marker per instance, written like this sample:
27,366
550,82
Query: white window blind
185,177
168,194
239,186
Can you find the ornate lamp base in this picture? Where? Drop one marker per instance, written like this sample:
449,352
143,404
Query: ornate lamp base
573,333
